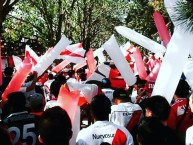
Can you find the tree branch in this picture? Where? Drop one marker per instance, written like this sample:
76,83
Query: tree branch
36,27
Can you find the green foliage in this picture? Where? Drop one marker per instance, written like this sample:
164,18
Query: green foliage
184,14
91,22
140,17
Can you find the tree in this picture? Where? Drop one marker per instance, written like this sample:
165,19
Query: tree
5,7
184,14
95,21
88,21
140,17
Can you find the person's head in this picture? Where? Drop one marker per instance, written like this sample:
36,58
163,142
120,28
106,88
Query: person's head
82,76
60,78
139,83
55,127
55,88
120,95
100,107
16,102
71,73
157,106
37,102
29,78
151,132
8,71
182,90
50,76
106,83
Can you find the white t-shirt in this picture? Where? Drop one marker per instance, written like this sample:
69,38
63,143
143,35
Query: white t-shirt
122,114
189,136
104,131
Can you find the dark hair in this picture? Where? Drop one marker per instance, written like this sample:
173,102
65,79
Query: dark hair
159,106
16,101
55,88
29,78
140,81
8,71
151,132
83,76
100,107
60,78
55,126
70,73
50,76
120,94
183,89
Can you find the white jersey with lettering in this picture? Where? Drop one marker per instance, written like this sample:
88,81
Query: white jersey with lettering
126,114
189,136
104,132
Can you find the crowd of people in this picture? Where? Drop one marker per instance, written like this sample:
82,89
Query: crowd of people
118,114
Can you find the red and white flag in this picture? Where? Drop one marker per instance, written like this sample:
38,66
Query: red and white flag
31,54
73,53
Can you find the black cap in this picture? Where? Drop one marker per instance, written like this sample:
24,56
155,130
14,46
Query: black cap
119,94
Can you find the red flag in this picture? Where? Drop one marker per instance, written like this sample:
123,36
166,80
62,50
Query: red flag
68,101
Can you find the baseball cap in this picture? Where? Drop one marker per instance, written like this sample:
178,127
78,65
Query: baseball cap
119,94
36,100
